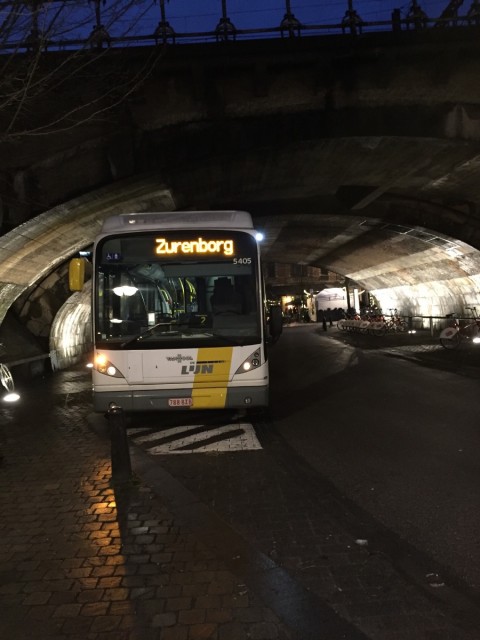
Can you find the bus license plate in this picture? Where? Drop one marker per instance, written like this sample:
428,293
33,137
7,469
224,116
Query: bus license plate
180,402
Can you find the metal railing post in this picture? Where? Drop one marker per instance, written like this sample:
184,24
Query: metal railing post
120,452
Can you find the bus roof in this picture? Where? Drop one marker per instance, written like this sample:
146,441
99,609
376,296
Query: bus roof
178,220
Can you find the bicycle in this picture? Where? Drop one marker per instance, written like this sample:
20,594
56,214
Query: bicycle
6,381
453,335
396,322
376,324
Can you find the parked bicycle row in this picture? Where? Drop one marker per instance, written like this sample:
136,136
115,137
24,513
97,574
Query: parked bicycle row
459,329
376,324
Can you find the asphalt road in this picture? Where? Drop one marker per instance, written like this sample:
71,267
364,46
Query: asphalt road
399,440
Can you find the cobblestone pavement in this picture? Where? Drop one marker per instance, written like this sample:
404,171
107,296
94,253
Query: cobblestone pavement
82,559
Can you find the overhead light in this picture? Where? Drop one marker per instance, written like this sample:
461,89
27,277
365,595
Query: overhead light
126,290
259,236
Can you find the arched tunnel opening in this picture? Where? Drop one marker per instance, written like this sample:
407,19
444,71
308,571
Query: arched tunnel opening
403,230
418,271
362,163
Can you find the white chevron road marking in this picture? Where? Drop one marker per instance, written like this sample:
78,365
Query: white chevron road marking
243,438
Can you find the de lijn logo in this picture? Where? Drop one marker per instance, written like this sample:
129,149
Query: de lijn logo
201,366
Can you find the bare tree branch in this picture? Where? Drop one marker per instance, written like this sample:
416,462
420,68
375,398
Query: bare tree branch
39,89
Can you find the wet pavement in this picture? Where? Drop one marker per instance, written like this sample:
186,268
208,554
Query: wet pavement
81,558
219,546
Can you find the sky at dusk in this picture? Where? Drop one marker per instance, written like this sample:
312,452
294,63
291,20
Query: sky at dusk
203,15
140,17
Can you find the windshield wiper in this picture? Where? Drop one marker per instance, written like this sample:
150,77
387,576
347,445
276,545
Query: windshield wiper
238,342
141,335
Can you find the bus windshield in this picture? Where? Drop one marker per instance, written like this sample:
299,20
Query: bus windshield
166,289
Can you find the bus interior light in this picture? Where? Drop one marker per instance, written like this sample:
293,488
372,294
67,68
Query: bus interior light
125,290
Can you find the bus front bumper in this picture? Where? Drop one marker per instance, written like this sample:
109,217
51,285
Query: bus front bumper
181,399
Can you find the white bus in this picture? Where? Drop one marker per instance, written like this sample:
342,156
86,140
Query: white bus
179,313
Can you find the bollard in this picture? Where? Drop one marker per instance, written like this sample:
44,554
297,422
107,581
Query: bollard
120,452
324,323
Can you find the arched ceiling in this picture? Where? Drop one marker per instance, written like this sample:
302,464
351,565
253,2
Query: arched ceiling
36,248
388,214
358,162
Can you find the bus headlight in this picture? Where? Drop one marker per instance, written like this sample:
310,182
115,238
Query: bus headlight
103,365
252,362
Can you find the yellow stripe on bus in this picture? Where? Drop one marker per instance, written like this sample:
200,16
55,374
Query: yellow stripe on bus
210,382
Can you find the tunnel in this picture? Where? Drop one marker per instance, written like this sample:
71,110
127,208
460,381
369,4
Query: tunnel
362,234
356,159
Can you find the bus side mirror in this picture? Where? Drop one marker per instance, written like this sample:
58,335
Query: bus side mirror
76,274
275,323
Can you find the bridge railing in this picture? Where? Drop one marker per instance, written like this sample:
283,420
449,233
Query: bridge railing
31,39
